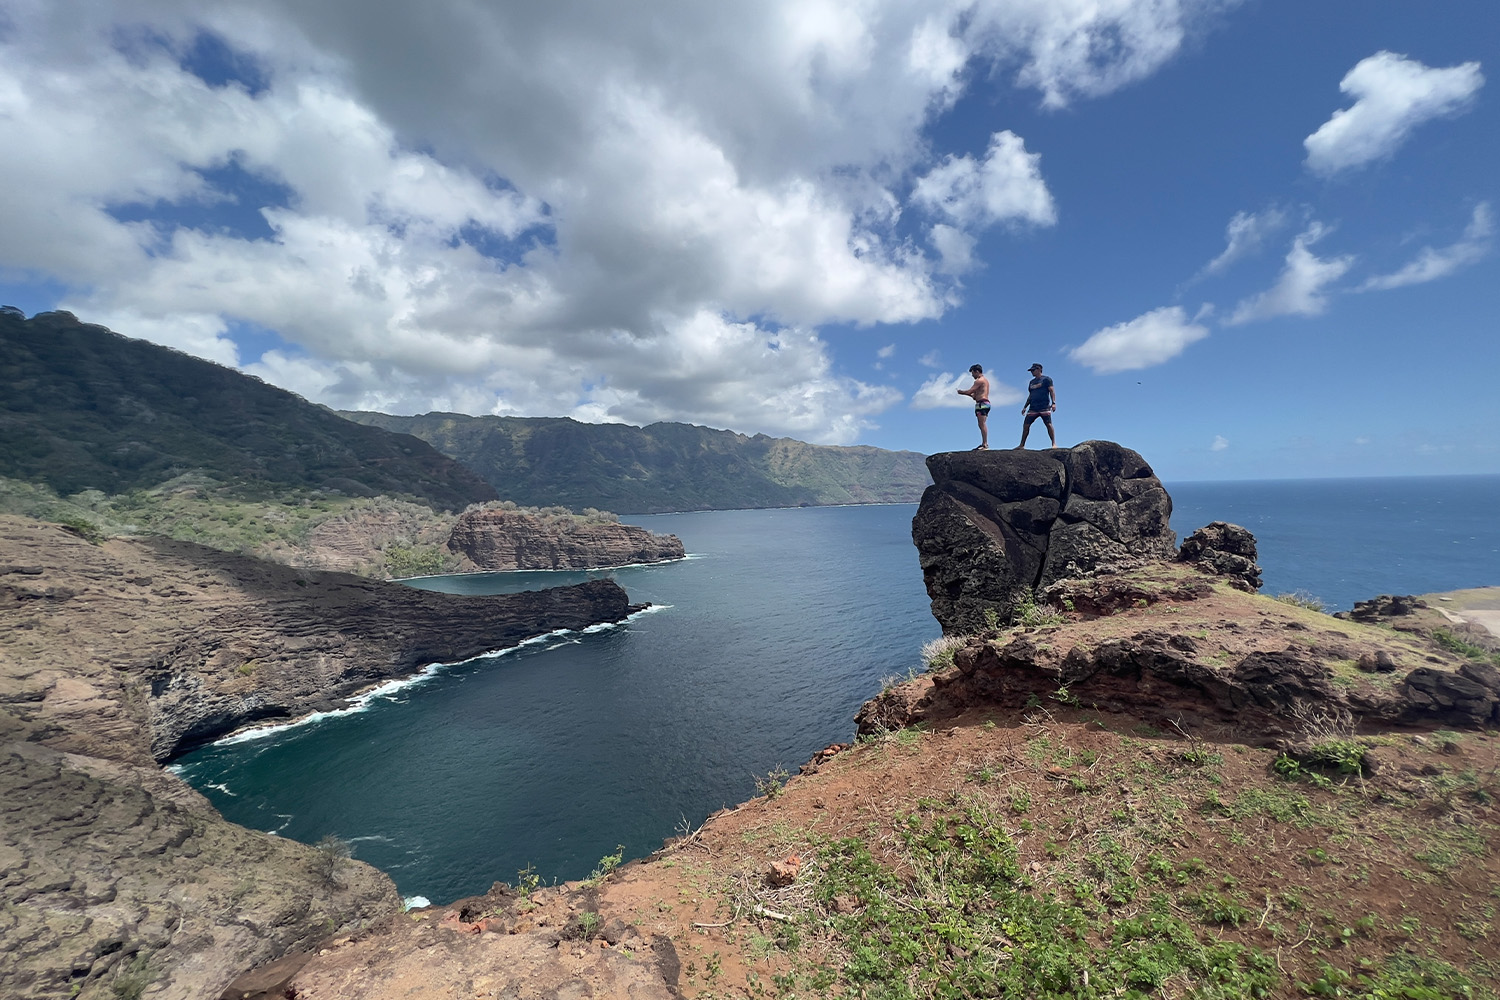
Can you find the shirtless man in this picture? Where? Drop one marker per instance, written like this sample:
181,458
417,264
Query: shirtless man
1041,400
980,393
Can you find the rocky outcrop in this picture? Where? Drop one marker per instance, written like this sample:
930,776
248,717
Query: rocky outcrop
118,656
1176,651
1226,550
996,526
497,540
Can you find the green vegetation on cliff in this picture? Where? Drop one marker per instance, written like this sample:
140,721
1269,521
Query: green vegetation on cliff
87,409
661,467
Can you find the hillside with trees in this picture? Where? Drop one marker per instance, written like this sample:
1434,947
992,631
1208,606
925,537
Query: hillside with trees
660,467
85,408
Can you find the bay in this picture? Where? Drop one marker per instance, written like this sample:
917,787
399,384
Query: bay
758,651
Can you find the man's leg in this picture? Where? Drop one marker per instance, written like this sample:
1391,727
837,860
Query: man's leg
1050,436
1025,430
984,430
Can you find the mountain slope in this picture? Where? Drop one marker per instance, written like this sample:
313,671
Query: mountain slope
661,467
86,408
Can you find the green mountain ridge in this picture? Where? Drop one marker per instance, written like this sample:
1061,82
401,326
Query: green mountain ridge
661,467
85,408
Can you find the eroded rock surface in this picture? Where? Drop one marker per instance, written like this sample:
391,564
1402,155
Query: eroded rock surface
1158,643
1226,550
996,526
497,540
116,657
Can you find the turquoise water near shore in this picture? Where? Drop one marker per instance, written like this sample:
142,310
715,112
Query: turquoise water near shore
760,648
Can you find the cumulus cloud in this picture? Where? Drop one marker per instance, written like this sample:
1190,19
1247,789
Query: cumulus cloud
1392,96
1244,235
1433,263
941,392
1006,186
1220,443
1147,340
575,208
1300,289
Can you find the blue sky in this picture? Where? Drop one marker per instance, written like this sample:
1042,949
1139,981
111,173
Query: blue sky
1248,239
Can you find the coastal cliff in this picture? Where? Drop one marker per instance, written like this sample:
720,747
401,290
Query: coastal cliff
1143,778
117,657
494,539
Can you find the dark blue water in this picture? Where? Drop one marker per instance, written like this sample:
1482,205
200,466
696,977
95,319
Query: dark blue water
770,637
1346,540
766,642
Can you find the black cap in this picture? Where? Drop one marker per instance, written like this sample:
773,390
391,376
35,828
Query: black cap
1034,367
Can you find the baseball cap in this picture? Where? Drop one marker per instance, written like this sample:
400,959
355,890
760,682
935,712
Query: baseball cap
1035,366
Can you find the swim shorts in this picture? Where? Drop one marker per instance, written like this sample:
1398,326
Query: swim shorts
982,407
1046,416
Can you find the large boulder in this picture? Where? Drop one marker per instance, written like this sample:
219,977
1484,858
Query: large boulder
1224,549
997,525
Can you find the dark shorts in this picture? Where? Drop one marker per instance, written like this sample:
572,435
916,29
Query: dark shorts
1046,418
980,409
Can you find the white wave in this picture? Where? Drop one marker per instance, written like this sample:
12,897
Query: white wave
384,692
415,902
508,572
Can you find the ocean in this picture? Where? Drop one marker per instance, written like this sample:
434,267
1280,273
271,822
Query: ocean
757,652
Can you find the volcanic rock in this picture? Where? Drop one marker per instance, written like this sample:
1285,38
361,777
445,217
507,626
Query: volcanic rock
996,526
116,657
496,540
1225,550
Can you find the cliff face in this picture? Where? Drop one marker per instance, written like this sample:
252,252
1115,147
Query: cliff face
498,540
997,525
116,657
539,461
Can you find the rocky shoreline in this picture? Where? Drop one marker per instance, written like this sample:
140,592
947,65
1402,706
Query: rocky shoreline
122,655
115,658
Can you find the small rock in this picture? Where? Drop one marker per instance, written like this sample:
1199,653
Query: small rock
1378,662
784,873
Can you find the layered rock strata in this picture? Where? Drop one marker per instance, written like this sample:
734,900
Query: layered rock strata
499,540
1161,643
116,657
996,526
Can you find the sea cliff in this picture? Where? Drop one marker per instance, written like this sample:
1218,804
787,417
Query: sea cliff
1139,776
117,657
494,539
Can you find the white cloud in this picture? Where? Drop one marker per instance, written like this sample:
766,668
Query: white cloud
955,248
886,351
1006,186
1220,443
1147,340
941,392
929,360
1244,235
1085,48
1299,291
1431,264
581,227
1393,95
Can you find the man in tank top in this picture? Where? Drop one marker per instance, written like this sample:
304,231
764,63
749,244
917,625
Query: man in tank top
980,392
1041,400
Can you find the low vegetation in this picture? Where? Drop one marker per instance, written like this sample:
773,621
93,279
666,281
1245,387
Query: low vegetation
379,537
1075,858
